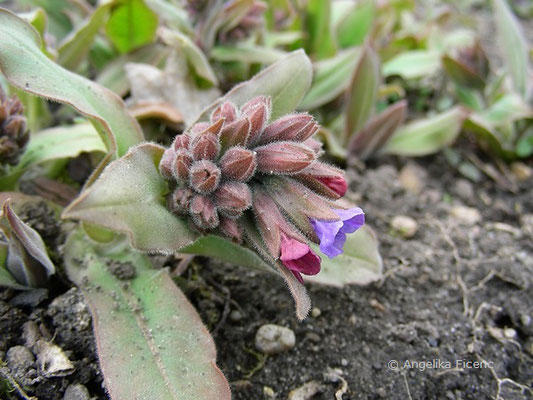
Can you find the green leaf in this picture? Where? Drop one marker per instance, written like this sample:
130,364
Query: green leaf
377,132
37,18
249,54
317,25
509,108
6,279
195,57
151,341
355,24
174,16
360,263
427,136
27,68
286,82
331,77
487,136
74,48
56,143
361,93
524,147
129,197
27,259
461,73
513,45
413,64
132,24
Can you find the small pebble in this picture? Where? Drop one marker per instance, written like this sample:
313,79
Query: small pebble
273,339
315,312
466,215
521,171
464,190
20,358
344,362
313,337
53,361
510,333
235,316
268,392
404,226
76,391
29,298
526,222
413,178
306,392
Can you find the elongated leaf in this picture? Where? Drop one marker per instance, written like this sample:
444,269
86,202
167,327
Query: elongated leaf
286,82
355,24
27,259
151,341
247,54
488,137
174,16
55,143
361,93
195,57
426,136
27,68
76,45
129,197
512,44
131,25
331,77
413,64
507,109
461,73
6,279
360,263
375,134
318,27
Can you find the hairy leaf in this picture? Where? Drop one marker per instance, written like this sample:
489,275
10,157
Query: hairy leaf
75,47
427,136
513,45
461,73
27,259
151,341
27,68
6,279
195,57
247,54
361,93
413,64
129,197
360,263
286,82
375,134
331,77
131,24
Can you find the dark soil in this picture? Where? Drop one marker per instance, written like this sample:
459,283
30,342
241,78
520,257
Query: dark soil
451,319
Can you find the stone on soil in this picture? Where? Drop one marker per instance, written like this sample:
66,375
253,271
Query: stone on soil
273,339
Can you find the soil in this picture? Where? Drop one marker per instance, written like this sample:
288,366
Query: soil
452,317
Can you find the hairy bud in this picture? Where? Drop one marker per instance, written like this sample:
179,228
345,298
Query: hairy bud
289,127
258,112
204,176
231,229
181,142
179,201
238,164
236,133
284,157
233,198
226,111
205,146
165,165
13,133
182,164
204,213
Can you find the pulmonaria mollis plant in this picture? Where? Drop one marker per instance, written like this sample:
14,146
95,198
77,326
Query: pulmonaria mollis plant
239,167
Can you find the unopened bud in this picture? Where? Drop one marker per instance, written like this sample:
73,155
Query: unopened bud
230,229
233,198
227,111
179,201
284,157
15,125
324,179
205,146
165,165
288,127
258,112
236,133
204,176
204,213
315,145
181,142
238,164
182,164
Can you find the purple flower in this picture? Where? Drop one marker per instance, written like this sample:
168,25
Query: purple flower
332,234
298,257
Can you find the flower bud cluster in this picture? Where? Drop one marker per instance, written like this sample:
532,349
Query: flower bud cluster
13,133
239,167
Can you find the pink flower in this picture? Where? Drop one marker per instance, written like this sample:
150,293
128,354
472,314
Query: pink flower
298,257
336,183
